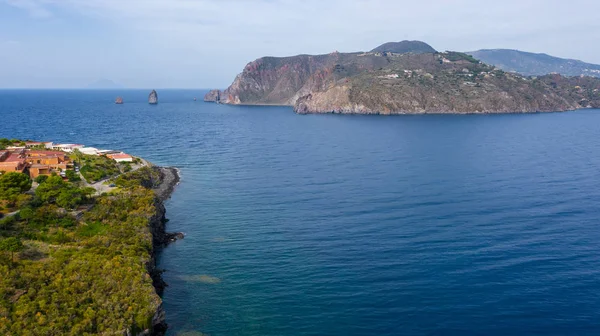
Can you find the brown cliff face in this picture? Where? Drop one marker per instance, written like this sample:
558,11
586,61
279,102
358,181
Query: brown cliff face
392,83
281,81
213,96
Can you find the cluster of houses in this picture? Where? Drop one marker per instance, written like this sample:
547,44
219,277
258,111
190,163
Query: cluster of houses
44,158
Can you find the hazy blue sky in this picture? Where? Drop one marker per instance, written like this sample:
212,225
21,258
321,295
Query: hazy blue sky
205,43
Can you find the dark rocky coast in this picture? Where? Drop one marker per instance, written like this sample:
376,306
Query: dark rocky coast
168,179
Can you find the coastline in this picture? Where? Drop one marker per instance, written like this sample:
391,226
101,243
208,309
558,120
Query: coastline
404,113
169,179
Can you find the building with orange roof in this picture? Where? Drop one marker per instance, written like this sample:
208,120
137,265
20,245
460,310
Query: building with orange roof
36,170
12,162
120,157
52,159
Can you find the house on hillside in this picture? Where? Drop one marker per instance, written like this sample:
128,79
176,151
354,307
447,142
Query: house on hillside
66,147
30,144
12,161
54,159
46,162
120,157
36,170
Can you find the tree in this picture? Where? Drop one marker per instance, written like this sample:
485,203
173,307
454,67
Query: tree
26,214
41,179
22,200
50,189
12,184
72,176
77,156
4,142
64,194
11,245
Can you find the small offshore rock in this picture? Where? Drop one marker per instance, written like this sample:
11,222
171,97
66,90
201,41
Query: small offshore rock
153,98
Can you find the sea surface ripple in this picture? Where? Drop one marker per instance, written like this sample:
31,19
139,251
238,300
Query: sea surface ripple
357,225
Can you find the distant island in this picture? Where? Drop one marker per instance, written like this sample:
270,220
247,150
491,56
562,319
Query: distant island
407,77
79,232
532,64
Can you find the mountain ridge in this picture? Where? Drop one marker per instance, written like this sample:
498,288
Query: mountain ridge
535,64
406,46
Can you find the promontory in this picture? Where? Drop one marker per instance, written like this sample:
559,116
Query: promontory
407,77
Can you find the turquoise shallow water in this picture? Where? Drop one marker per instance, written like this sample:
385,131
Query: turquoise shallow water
357,225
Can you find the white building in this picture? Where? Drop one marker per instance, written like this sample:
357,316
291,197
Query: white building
121,157
66,147
88,150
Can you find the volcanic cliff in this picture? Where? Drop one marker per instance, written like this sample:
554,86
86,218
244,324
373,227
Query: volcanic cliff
413,81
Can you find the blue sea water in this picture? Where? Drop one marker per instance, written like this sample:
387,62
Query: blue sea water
357,225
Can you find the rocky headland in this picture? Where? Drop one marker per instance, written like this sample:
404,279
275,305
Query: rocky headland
407,77
213,96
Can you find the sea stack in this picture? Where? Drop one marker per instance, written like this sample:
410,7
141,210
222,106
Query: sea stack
153,97
119,100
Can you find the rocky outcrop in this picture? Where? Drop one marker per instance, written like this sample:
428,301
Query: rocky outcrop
281,81
119,101
153,97
213,96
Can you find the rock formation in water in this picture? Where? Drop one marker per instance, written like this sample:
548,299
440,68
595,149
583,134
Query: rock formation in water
398,83
213,96
153,97
119,100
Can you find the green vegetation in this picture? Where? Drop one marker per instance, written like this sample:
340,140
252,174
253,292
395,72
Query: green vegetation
64,194
12,142
96,168
11,245
458,56
146,177
82,272
72,176
12,187
41,179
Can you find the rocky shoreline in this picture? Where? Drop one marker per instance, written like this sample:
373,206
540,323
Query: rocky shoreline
169,179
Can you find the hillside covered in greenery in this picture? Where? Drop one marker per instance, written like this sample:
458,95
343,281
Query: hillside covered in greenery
73,264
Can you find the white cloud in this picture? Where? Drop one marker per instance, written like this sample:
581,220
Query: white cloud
206,42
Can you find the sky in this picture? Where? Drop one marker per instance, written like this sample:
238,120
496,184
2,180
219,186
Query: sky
205,43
